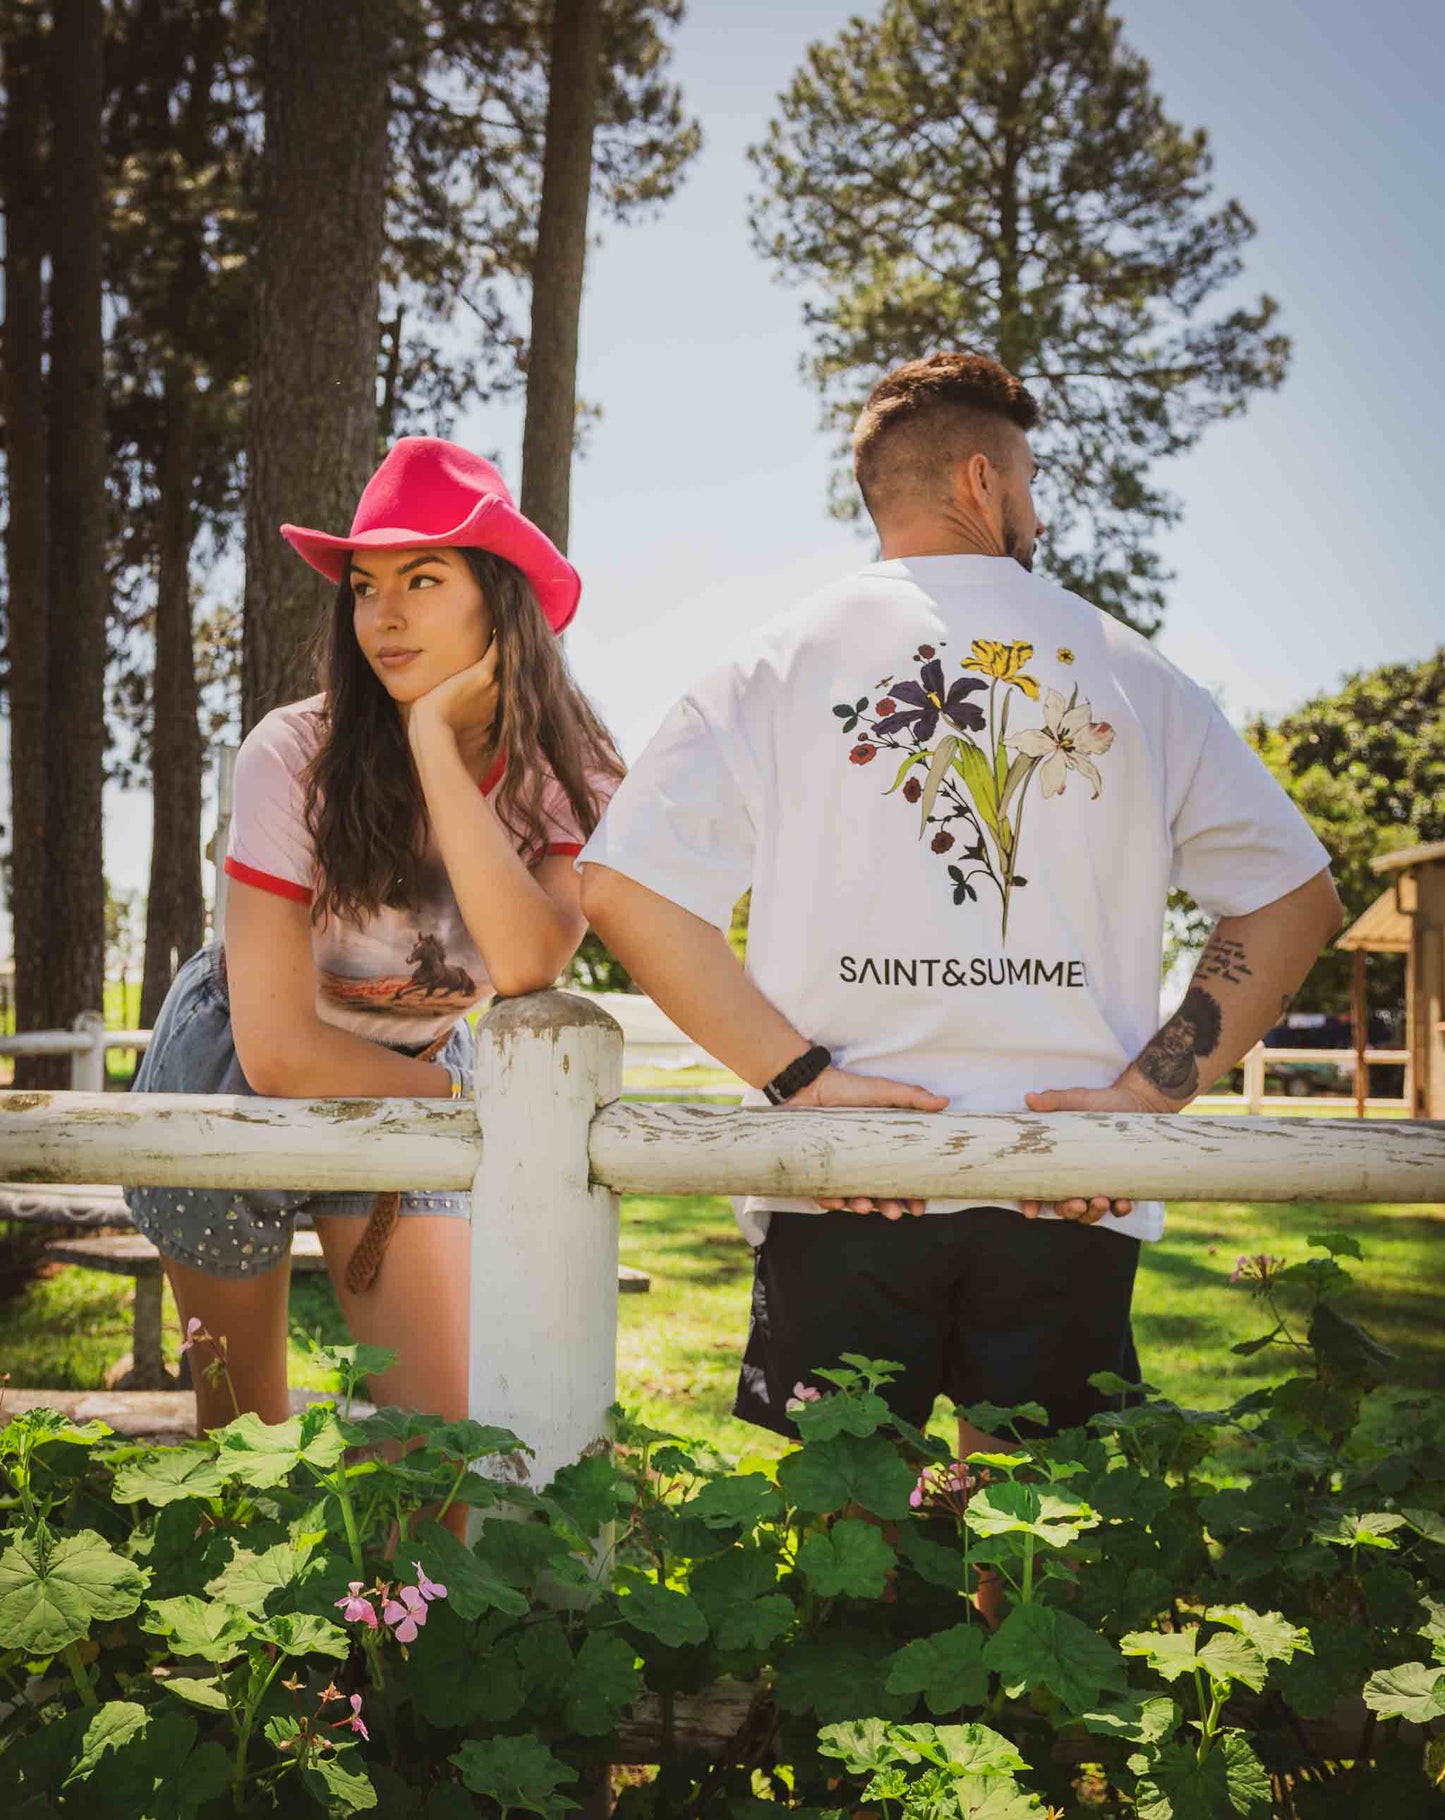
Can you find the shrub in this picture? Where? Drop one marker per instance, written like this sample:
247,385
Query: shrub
1228,1613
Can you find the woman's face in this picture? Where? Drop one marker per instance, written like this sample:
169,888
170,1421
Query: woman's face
419,616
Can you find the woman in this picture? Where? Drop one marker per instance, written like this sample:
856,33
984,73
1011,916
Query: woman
401,846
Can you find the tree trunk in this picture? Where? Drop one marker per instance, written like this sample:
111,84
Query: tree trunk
551,423
174,909
27,536
75,896
312,435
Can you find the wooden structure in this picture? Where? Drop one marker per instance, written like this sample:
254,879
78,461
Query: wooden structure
549,1147
1409,918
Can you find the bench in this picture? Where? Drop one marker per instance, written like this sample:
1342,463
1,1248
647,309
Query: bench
78,1210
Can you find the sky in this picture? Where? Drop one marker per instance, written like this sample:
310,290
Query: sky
699,507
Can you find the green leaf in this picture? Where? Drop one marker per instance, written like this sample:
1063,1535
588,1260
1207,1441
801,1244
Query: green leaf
989,1418
1372,1529
1338,1244
861,1415
473,1585
1273,1636
262,1581
591,1493
1413,1691
1353,1356
1229,1781
169,1474
50,1598
826,1476
302,1633
864,1746
1018,771
517,1773
738,1596
850,1560
1040,1646
144,1765
946,1669
1231,1658
265,1454
837,1678
1427,1523
664,1613
912,759
207,1694
973,767
1056,1518
354,1361
937,767
338,1780
199,1627
1342,1658
993,1798
932,1561
603,1686
739,1501
1139,1718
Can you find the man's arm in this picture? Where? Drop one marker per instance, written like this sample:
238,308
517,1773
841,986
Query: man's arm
1241,987
687,967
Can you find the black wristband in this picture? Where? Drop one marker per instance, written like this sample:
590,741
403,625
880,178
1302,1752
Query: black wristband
798,1075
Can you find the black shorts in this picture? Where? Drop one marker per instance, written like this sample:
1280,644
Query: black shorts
981,1305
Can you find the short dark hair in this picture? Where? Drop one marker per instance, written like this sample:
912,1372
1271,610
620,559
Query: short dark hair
928,414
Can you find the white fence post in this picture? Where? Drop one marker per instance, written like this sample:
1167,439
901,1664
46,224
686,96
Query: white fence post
225,797
1253,1082
543,1333
87,1066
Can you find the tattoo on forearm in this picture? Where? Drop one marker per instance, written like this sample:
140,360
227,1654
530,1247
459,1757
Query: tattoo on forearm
1223,959
1170,1060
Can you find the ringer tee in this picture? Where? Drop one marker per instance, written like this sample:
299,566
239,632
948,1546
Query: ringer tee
959,795
400,977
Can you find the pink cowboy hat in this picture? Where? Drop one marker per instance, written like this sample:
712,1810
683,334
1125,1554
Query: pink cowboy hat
430,494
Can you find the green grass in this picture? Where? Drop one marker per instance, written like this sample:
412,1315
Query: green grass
678,1347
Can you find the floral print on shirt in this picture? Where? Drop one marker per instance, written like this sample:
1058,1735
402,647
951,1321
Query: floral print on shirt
961,762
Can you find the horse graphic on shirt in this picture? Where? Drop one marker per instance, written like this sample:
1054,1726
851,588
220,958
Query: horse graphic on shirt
433,975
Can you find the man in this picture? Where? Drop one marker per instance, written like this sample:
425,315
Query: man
959,796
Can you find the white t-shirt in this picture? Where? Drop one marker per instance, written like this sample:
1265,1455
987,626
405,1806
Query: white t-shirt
1070,773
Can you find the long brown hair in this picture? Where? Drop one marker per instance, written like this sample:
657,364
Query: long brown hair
364,805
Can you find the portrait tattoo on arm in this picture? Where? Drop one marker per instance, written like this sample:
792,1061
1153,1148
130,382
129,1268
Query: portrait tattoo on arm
1170,1060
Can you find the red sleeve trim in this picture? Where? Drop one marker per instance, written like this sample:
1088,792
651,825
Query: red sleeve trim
267,881
494,776
569,847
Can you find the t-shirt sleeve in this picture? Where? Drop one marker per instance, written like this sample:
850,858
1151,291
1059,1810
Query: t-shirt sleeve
1239,842
564,831
270,846
680,822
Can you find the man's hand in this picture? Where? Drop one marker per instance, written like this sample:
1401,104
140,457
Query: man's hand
836,1087
1128,1094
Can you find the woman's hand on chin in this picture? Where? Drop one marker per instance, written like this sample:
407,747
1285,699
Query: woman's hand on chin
465,704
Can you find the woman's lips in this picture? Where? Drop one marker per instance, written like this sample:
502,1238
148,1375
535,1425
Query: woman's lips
396,660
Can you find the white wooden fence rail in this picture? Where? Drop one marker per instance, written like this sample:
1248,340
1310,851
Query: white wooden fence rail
549,1147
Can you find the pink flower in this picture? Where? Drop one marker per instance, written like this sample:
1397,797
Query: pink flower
429,1589
947,1486
802,1393
1261,1269
356,1722
193,1327
355,1609
406,1616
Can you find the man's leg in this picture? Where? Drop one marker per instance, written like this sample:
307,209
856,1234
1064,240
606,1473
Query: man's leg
829,1283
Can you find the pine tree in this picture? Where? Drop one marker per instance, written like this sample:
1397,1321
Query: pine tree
75,695
312,435
1000,176
27,537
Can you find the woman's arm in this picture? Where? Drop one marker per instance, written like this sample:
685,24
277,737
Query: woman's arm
526,923
285,1050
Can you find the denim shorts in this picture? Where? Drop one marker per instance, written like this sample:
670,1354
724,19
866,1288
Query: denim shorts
238,1232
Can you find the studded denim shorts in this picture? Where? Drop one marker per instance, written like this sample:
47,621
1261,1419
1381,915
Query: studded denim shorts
238,1232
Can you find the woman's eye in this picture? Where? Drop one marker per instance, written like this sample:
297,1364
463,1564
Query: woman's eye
360,589
417,580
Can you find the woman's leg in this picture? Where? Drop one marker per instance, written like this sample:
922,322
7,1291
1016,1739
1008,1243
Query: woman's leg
416,1307
249,1313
